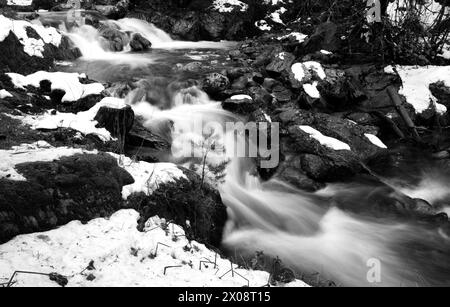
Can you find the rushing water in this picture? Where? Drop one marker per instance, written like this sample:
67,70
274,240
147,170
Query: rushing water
307,230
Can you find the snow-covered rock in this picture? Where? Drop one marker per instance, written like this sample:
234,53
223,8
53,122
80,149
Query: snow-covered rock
326,141
32,46
83,122
117,254
68,82
375,140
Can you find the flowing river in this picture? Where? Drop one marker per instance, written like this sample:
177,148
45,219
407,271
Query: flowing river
307,231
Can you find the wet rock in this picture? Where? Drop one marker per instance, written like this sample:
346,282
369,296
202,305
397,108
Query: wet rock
117,121
80,187
114,39
261,96
281,94
215,83
241,104
291,171
145,144
281,62
139,43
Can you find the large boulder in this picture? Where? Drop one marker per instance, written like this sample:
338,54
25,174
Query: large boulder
324,147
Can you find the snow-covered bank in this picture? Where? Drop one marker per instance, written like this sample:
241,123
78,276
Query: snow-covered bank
83,122
37,152
416,85
120,255
67,82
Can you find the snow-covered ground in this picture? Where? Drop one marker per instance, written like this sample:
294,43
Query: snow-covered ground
117,254
416,85
326,141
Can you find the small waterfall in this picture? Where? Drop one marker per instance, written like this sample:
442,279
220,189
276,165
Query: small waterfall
155,35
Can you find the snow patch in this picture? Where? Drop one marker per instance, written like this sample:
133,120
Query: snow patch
83,121
416,85
147,176
5,94
241,97
68,82
311,90
375,140
326,141
20,2
121,255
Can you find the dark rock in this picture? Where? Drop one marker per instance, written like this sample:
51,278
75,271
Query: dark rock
324,38
281,62
139,43
213,25
80,187
441,92
182,201
240,106
320,162
117,121
146,145
114,39
215,83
